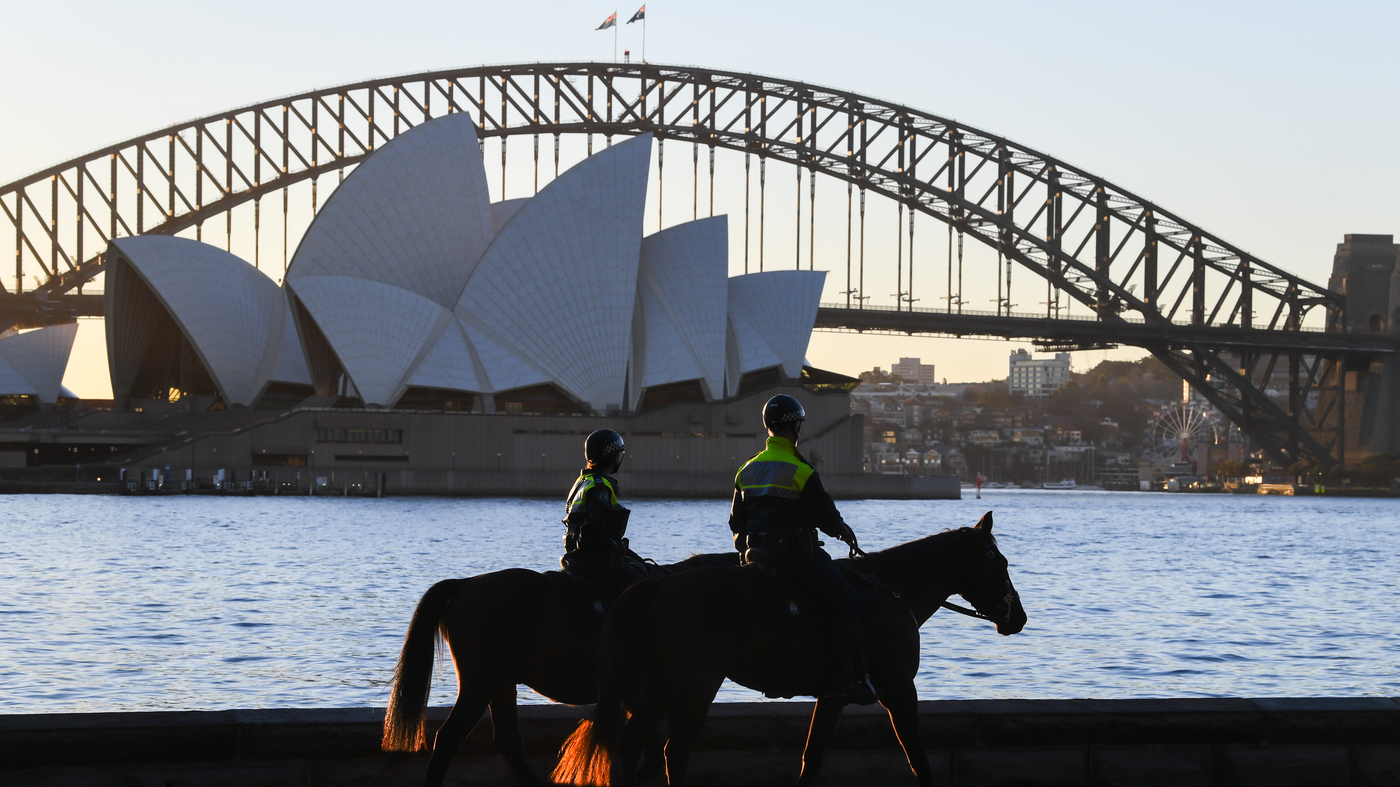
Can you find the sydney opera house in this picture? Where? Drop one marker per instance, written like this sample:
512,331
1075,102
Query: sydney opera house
410,286
426,339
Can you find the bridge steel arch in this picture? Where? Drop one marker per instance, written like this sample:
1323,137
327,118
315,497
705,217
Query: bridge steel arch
1218,316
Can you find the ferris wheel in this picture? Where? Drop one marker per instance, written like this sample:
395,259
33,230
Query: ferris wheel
1179,432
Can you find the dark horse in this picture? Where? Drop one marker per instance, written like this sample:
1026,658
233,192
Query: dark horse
670,642
504,629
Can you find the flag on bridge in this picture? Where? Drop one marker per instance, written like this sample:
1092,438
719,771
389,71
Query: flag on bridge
609,22
639,16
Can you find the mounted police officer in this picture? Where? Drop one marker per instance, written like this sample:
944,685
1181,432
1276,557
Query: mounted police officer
595,547
779,504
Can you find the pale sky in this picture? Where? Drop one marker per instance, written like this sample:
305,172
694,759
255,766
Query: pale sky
1270,124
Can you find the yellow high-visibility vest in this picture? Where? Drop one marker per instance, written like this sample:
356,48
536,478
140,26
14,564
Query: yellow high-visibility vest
579,493
777,471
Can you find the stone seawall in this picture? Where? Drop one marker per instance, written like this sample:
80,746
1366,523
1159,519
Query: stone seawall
1348,742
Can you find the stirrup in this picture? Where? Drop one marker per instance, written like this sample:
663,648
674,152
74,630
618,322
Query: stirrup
861,693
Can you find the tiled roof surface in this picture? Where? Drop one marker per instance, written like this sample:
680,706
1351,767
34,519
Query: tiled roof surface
683,283
33,362
229,310
780,307
560,279
377,353
449,363
415,214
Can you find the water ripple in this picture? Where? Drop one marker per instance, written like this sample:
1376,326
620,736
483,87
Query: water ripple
208,603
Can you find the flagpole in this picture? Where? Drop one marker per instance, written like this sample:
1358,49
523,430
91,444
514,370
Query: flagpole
644,36
614,36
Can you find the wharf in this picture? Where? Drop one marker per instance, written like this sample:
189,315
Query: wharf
1346,742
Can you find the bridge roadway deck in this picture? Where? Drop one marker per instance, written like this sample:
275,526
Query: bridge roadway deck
1091,332
1077,331
35,309
1346,742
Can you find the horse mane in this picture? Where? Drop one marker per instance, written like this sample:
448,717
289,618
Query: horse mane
902,557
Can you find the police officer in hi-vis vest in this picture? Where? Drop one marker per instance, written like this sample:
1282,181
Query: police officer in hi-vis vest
779,504
595,547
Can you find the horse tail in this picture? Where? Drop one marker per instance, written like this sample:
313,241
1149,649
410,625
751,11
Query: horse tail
405,720
586,757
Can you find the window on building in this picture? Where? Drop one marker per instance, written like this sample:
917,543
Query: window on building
359,435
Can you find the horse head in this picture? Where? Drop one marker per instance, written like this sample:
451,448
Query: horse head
986,580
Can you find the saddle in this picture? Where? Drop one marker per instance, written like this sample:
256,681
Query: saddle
583,598
605,586
784,603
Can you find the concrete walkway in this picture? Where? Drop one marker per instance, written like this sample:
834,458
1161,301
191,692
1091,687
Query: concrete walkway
1347,742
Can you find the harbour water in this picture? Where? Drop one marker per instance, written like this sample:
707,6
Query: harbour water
113,604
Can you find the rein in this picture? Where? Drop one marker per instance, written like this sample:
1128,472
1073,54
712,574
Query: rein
972,613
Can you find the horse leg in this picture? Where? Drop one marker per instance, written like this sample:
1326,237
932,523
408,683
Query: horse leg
683,726
466,712
902,702
638,732
653,755
505,729
824,718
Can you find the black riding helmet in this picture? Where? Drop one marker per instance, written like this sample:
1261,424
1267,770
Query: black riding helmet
601,445
783,411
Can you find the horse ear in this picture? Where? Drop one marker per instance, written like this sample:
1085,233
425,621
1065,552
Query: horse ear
985,523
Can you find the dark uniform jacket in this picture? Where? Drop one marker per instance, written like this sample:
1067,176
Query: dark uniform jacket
596,522
778,492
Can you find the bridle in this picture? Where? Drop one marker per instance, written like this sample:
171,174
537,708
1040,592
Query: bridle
1006,602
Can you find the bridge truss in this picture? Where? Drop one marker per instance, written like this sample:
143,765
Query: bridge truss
1218,316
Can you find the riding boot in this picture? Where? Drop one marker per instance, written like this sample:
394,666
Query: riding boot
854,684
861,691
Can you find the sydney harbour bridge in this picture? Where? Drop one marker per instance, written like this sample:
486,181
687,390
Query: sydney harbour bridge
1226,321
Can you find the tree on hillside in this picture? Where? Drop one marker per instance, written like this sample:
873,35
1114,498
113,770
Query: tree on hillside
1231,468
997,399
1380,470
1123,388
878,375
1069,399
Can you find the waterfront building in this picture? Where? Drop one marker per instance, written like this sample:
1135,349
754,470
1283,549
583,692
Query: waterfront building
1027,437
984,437
911,370
1037,377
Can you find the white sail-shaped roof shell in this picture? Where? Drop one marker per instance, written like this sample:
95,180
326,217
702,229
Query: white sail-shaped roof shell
560,279
682,281
410,277
502,212
12,383
32,363
378,332
415,214
449,362
290,364
771,315
502,366
233,315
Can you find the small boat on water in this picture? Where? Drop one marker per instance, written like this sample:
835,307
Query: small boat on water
1068,483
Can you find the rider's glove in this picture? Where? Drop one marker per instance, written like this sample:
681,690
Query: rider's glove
848,535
